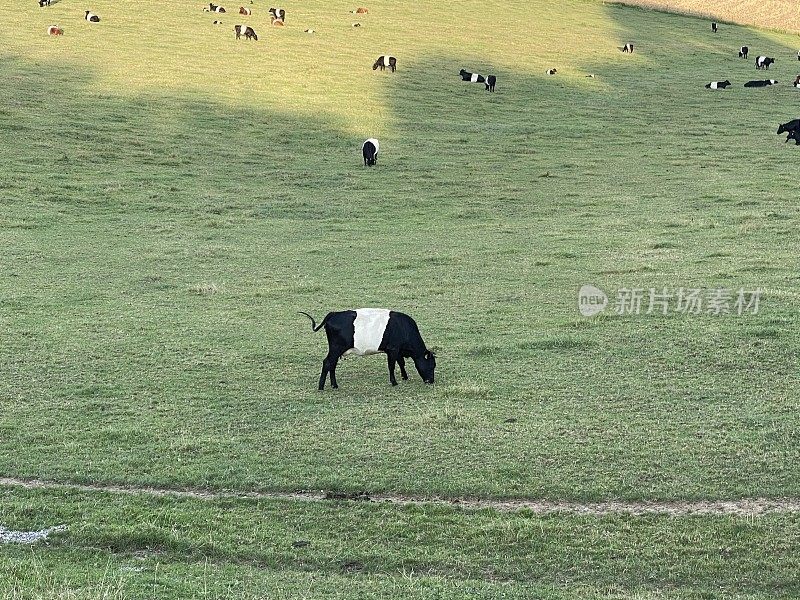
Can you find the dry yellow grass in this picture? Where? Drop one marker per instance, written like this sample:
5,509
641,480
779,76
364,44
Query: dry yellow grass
772,14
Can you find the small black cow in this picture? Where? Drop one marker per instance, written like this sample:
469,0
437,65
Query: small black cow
369,151
91,17
718,85
215,8
278,13
763,62
714,27
760,83
490,81
246,31
743,51
627,47
385,61
471,77
792,128
369,331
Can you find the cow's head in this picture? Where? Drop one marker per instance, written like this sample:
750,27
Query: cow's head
425,366
726,83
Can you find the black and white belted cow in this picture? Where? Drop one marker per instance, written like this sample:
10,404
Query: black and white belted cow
763,62
743,51
246,31
215,8
370,331
718,85
761,83
91,17
278,14
714,27
628,47
43,3
471,77
385,61
369,150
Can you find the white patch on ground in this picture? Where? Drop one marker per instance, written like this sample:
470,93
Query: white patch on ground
27,537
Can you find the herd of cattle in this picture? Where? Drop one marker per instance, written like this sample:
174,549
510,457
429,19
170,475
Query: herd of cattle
372,330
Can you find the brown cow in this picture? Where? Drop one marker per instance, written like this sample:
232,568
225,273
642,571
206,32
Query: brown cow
360,11
53,30
245,11
277,22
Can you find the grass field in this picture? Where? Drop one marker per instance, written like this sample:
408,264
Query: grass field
171,198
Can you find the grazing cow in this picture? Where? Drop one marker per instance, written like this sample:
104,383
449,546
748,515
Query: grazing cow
718,85
370,331
356,24
760,83
44,3
551,71
278,13
246,31
714,27
490,81
628,47
215,8
385,61
360,11
791,126
471,77
91,17
309,31
245,11
743,51
763,62
53,30
369,150
796,82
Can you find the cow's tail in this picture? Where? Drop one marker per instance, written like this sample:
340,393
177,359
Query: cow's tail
314,326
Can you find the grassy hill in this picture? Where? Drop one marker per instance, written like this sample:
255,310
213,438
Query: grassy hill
172,197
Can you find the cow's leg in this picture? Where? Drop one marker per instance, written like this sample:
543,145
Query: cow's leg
324,375
334,362
392,359
402,363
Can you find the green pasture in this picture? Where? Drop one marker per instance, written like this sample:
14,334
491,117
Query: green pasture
171,197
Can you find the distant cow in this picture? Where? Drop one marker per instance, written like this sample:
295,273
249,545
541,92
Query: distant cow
627,47
714,27
245,11
798,55
91,17
471,77
53,30
360,11
763,62
792,128
44,3
743,51
551,71
278,13
796,82
246,31
490,81
760,83
385,61
370,331
215,8
718,85
369,151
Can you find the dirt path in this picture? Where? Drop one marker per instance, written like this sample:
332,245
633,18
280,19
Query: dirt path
741,507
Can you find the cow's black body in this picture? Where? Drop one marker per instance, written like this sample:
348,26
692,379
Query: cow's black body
490,81
381,63
763,62
760,83
743,52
